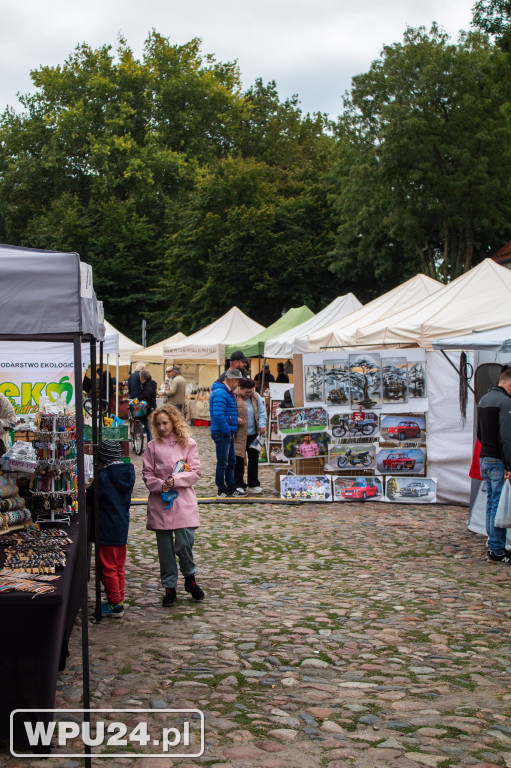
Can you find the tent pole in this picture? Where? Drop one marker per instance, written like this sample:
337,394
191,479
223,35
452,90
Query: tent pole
262,378
95,491
101,393
82,532
117,385
107,377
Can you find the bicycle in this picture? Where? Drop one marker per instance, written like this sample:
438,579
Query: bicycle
136,412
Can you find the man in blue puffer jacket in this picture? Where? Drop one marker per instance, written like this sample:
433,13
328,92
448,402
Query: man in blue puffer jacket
224,425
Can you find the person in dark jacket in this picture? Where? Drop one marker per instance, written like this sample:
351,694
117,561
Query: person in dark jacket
494,434
224,425
147,392
134,381
115,486
282,377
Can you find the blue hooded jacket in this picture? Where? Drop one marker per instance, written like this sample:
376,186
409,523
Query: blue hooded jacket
115,486
222,409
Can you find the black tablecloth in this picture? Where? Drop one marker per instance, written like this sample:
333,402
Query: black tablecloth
34,638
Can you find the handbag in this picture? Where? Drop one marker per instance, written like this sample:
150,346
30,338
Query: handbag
503,516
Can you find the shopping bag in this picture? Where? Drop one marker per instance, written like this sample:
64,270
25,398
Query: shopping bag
168,498
503,516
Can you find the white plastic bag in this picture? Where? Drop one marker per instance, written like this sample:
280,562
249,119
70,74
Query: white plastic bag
503,516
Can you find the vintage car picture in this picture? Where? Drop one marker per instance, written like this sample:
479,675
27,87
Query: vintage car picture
336,376
277,454
348,456
417,379
403,428
405,461
365,381
358,488
411,490
394,375
313,383
305,445
291,420
355,424
306,487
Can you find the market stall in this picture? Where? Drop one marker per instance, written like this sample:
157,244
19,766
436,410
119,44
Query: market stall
47,296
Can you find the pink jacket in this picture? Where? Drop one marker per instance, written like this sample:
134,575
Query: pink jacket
160,458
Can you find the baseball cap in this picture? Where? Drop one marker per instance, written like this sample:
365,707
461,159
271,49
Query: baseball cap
233,373
238,355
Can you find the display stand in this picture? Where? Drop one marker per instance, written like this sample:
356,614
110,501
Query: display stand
55,479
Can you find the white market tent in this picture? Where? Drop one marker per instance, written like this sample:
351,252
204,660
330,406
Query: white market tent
208,344
496,340
124,347
154,353
346,332
294,340
480,299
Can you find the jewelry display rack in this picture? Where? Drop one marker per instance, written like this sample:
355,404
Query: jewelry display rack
54,482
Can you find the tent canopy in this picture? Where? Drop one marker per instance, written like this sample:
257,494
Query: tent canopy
477,300
154,353
125,346
496,340
46,295
208,345
295,340
346,332
254,347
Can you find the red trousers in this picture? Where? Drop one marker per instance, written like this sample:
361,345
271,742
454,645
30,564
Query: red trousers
112,571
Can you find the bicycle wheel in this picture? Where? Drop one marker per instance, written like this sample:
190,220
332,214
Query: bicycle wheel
138,437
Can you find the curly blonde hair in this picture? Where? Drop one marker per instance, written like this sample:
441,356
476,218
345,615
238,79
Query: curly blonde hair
179,426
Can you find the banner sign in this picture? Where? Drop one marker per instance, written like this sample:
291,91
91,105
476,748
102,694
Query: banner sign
30,370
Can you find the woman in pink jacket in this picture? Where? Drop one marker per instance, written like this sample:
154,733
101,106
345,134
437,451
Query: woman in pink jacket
175,525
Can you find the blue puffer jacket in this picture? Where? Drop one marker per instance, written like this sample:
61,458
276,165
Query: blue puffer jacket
222,409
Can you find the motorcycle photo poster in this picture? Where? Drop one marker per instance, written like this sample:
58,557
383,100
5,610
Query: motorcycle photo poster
355,425
348,457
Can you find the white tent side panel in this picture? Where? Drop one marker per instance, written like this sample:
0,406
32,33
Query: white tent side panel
126,347
449,441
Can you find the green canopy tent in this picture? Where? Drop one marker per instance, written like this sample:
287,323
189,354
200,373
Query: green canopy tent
254,347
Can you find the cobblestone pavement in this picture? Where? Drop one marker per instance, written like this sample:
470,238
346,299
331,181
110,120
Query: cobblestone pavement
336,635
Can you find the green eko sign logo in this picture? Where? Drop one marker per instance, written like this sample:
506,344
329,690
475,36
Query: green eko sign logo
25,399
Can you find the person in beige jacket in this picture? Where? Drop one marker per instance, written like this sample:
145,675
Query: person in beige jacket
173,388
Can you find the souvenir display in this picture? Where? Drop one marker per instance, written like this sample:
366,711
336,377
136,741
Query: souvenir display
305,445
358,488
360,455
394,379
13,512
409,461
54,483
34,551
291,420
365,380
337,381
410,490
403,428
306,487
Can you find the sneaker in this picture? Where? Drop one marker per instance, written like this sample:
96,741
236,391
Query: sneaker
505,557
112,611
224,495
239,492
256,489
193,588
169,598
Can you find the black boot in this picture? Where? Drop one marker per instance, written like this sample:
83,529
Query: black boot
169,598
193,588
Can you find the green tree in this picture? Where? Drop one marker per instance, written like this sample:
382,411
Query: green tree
423,160
494,18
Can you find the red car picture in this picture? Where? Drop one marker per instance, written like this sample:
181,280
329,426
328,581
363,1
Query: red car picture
405,430
399,461
358,490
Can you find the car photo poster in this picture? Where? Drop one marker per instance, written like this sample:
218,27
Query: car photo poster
358,488
410,490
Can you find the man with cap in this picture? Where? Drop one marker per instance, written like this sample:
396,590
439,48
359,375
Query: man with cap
115,485
268,378
173,388
237,361
224,425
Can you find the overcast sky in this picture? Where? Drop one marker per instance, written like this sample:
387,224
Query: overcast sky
310,47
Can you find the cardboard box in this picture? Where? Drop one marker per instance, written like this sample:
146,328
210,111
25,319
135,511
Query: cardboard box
314,466
278,474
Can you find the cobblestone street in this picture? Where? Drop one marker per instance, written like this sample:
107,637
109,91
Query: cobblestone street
332,635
